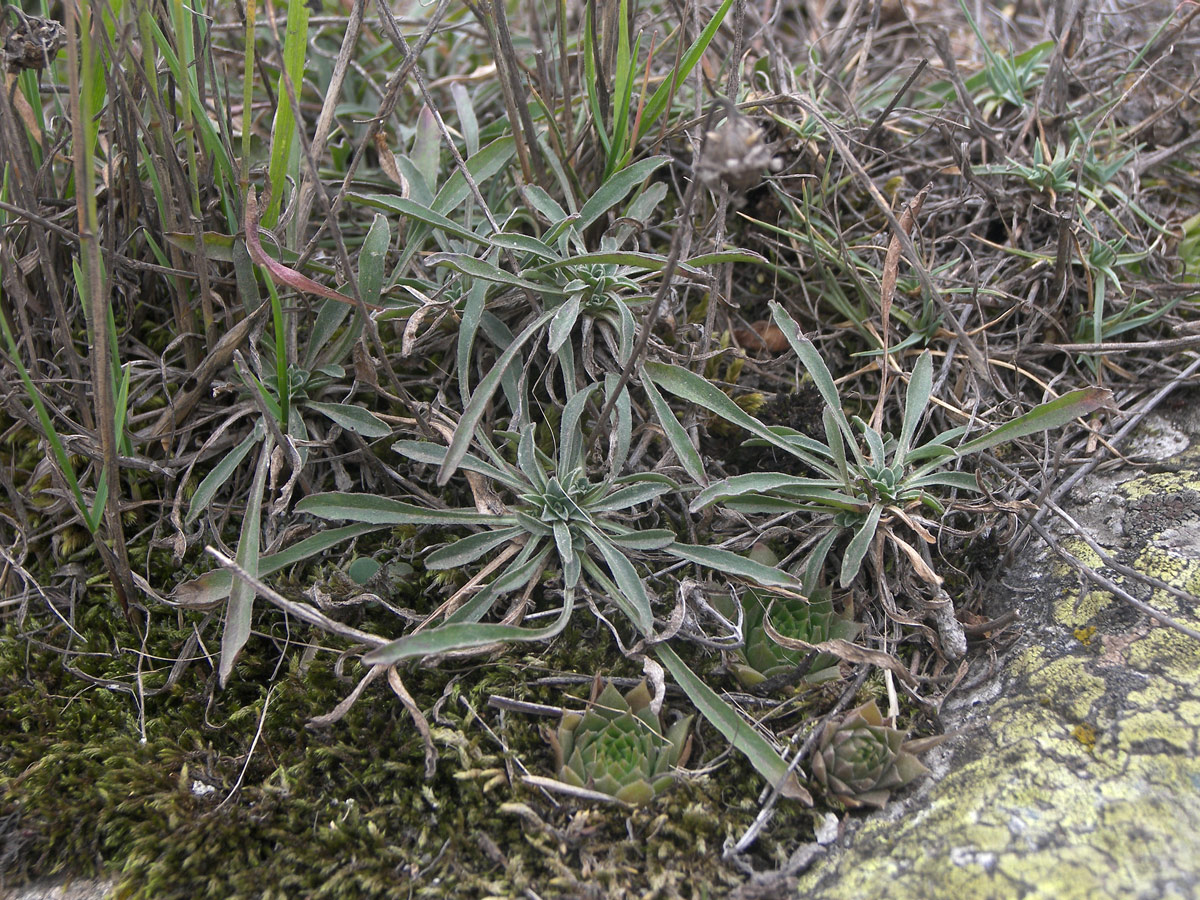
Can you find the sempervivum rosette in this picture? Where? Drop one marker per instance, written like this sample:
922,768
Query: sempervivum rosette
860,761
618,747
812,621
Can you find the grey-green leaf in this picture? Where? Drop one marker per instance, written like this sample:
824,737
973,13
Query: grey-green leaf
386,511
740,733
465,431
353,418
221,473
370,260
734,564
464,636
676,434
241,595
617,188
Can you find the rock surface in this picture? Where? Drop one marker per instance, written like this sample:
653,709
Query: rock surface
1078,775
58,889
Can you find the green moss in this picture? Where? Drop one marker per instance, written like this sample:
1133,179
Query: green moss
342,811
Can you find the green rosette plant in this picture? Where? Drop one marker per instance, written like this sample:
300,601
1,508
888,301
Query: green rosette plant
860,761
812,621
618,747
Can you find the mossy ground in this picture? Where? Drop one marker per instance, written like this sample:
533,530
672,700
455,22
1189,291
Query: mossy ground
338,811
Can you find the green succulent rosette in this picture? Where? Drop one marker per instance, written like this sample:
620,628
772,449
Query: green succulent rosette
860,761
618,747
811,621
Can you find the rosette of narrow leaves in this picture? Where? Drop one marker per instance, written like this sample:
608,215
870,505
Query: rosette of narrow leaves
860,761
812,621
858,479
617,747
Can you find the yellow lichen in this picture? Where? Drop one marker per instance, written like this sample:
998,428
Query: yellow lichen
1085,734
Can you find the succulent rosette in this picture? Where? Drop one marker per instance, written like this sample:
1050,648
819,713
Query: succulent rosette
618,747
860,761
811,621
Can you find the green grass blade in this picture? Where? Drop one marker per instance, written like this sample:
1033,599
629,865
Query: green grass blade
283,128
657,103
51,433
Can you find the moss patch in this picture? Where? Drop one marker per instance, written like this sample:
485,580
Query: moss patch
340,811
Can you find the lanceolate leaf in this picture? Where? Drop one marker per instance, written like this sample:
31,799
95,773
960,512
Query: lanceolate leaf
1052,414
817,370
650,262
435,454
465,636
676,434
755,483
766,761
615,189
466,550
465,432
353,418
370,259
733,564
857,549
213,587
527,565
563,322
570,432
416,211
479,268
920,385
386,511
626,497
241,596
691,387
646,539
482,166
221,473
